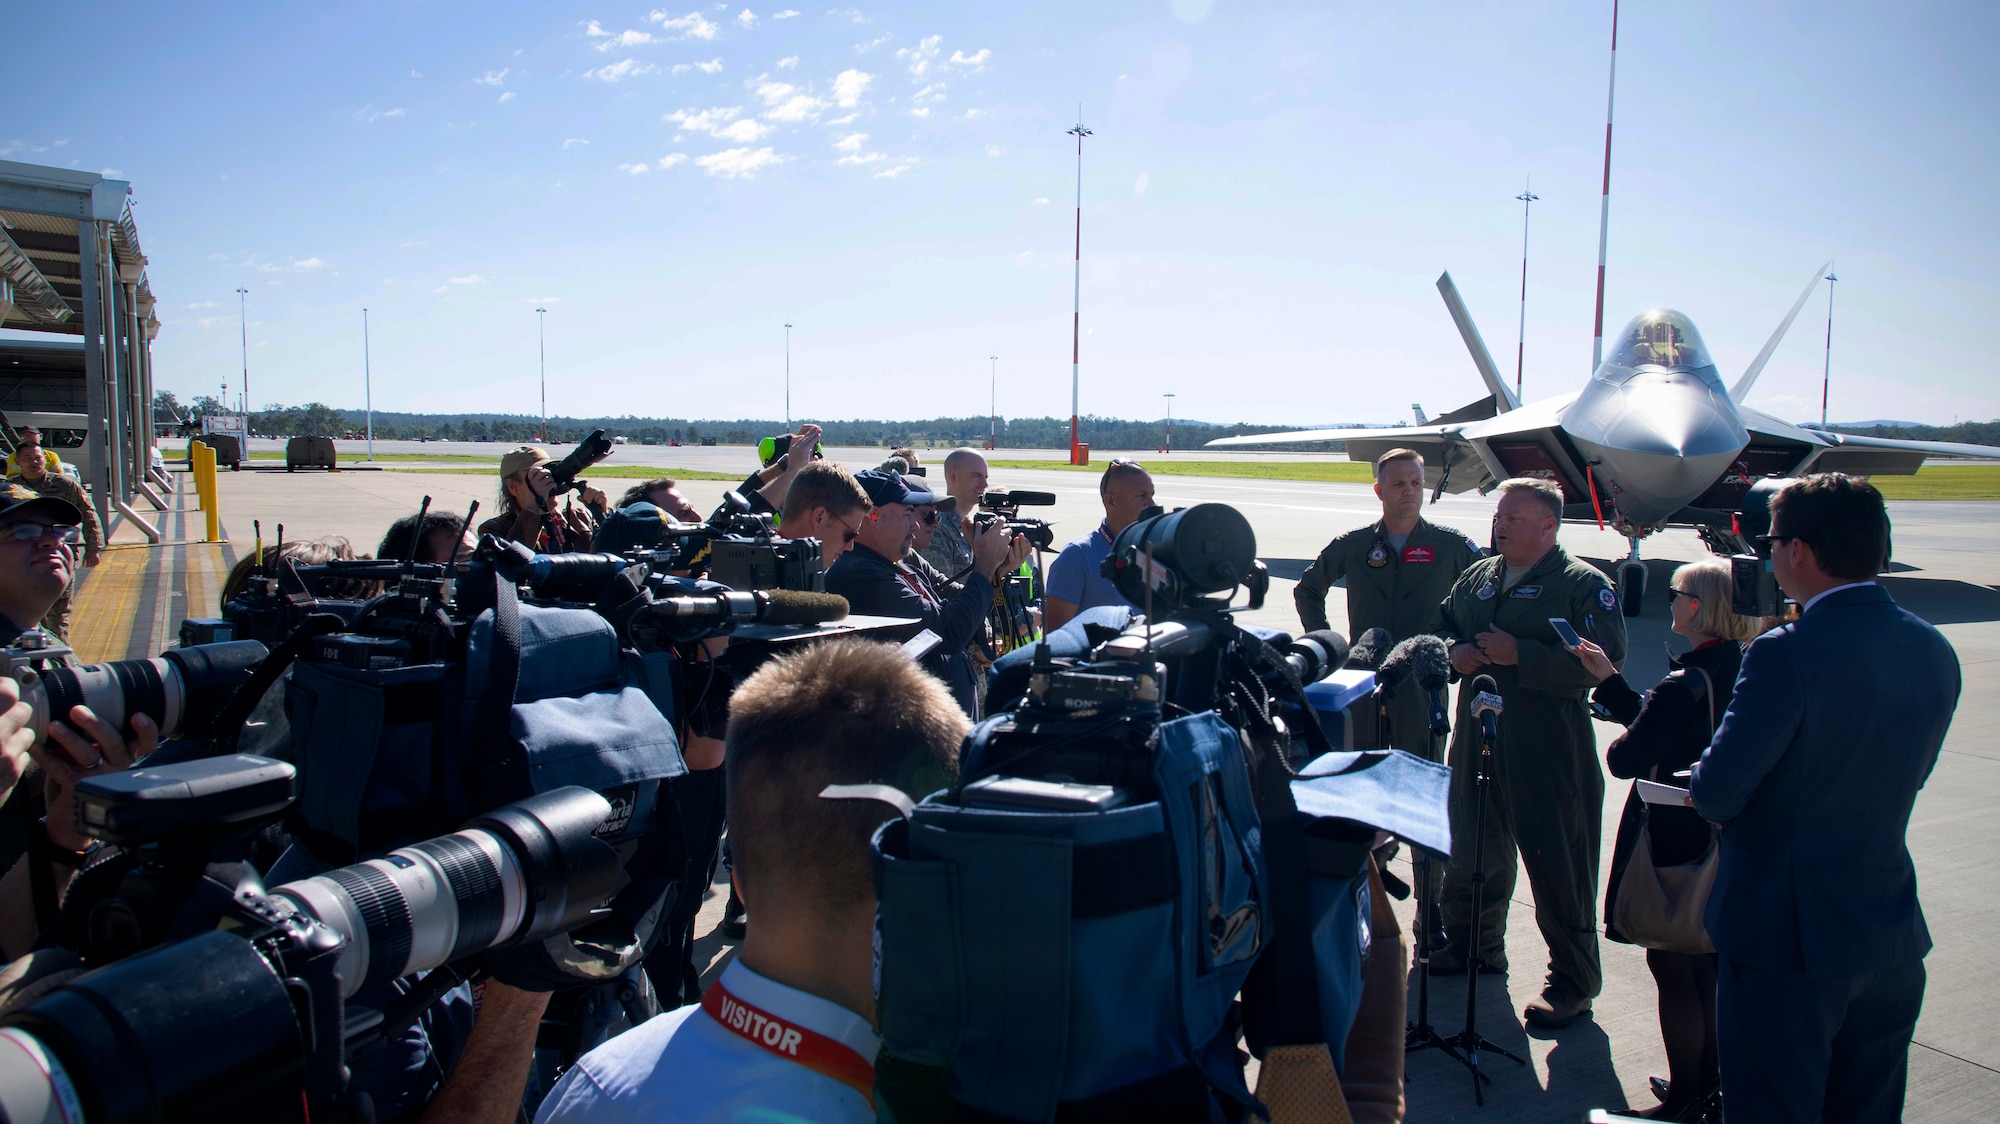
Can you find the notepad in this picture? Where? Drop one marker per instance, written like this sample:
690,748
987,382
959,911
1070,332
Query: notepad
1653,792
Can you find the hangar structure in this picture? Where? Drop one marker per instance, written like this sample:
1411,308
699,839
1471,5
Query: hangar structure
71,266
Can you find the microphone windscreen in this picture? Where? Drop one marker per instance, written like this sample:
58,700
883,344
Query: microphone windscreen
1325,648
794,606
1369,649
1398,666
1484,685
1433,662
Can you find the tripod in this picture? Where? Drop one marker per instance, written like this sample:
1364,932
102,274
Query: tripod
1466,1044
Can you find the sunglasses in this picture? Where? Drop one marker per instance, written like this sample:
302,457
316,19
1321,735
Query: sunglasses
1124,462
1770,540
25,532
1674,594
930,516
849,534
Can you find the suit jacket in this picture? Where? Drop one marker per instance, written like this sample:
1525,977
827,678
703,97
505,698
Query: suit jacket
873,587
1835,725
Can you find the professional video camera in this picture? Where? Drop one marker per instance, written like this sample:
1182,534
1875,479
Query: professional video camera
1004,509
1143,795
589,451
1010,623
243,1013
1753,583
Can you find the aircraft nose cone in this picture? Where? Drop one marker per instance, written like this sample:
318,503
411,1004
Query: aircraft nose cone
1660,438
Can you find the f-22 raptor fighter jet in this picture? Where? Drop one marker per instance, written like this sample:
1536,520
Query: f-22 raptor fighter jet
1654,440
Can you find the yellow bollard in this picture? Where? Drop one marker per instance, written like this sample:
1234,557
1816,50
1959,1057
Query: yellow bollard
205,479
194,470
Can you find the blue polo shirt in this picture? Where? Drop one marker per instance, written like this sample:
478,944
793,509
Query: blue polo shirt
1076,576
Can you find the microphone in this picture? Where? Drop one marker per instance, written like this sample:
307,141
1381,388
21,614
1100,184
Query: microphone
705,612
1432,662
1486,706
1400,663
1368,650
1315,655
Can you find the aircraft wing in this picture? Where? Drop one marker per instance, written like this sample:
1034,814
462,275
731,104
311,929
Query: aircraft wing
1816,450
1301,436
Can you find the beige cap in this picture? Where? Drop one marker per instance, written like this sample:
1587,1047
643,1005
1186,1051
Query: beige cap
522,459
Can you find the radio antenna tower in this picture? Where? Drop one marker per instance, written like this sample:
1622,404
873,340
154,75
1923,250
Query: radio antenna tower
1076,315
1604,211
1526,197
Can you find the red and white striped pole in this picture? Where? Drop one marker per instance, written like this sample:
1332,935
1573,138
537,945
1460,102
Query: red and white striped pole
1076,315
1604,211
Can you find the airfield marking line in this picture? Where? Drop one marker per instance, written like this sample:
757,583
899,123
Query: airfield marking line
1953,1057
105,605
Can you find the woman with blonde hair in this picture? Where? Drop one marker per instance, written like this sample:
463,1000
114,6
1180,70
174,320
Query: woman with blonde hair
1666,730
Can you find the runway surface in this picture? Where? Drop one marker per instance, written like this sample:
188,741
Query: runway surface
1947,570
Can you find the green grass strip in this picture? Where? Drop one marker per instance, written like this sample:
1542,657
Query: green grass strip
605,472
1328,472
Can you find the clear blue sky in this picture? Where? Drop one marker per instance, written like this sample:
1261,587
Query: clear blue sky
1271,192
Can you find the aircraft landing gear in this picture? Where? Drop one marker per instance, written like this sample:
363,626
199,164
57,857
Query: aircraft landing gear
1632,582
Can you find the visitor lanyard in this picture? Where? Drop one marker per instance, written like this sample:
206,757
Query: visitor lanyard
825,1056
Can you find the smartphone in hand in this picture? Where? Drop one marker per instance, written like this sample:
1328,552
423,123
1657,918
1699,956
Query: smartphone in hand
1568,634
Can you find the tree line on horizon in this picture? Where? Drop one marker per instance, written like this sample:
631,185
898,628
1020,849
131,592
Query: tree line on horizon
1110,434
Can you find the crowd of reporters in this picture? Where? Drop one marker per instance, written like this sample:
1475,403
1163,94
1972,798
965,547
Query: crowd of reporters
789,1027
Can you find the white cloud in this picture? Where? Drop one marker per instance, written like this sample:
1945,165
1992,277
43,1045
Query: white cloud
1139,185
308,263
369,114
691,26
788,63
932,92
712,66
746,131
202,304
1043,199
569,142
619,71
970,114
493,77
211,257
845,120
632,169
976,61
738,162
506,97
706,120
850,145
746,18
775,92
396,112
112,173
995,150
864,48
848,86
416,74
892,173
800,107
921,111
468,279
921,56
788,13
672,159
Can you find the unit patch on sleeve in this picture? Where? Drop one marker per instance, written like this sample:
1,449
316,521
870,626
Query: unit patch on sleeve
1607,598
1487,591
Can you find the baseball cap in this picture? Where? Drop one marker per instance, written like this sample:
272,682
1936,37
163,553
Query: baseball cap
17,499
522,459
889,487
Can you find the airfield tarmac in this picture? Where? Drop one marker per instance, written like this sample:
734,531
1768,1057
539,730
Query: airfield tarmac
1947,570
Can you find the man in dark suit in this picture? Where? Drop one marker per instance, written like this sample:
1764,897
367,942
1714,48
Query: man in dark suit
1835,725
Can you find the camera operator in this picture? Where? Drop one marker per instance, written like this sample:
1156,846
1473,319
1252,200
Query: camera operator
664,493
441,538
787,1032
965,476
529,513
826,503
784,457
36,474
1547,799
1076,579
874,585
1836,723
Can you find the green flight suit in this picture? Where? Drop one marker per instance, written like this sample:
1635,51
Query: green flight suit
1547,795
1397,590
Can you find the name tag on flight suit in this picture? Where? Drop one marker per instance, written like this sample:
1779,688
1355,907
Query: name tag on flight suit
1418,556
1525,591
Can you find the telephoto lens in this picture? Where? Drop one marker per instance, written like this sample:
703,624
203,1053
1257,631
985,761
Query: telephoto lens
180,690
518,874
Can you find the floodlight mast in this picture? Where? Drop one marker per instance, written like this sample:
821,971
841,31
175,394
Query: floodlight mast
367,384
1826,376
1076,315
243,321
993,404
1527,198
542,342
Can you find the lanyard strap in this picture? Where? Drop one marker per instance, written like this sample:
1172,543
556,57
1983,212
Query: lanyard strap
825,1056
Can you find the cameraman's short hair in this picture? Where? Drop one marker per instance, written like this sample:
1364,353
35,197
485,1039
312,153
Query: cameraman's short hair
823,484
1709,583
1118,470
1394,455
959,458
405,540
1545,492
643,492
846,711
1841,517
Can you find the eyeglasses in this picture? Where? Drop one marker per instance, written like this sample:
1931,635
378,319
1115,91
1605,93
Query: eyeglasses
930,516
25,532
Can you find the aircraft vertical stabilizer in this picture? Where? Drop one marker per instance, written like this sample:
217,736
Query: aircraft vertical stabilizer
1756,367
1503,397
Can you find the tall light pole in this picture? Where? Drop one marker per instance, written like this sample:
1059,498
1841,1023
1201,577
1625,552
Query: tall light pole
1527,198
788,378
243,320
367,384
1826,377
542,340
1076,315
1604,208
993,405
1170,423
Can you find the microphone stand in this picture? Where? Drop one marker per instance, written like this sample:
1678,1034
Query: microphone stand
1466,1044
1420,1034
